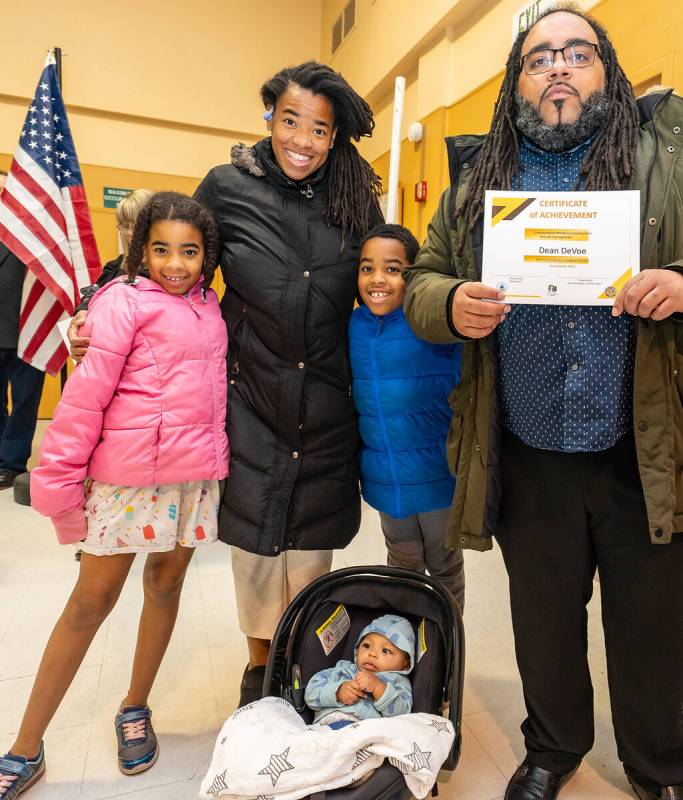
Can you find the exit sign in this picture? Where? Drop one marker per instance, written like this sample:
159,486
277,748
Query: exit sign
526,16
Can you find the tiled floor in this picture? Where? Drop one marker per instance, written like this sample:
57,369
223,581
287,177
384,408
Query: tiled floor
197,686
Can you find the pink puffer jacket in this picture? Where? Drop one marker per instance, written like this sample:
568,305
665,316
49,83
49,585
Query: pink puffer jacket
146,406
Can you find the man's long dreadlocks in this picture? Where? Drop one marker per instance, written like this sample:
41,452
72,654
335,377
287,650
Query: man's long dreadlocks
608,164
354,187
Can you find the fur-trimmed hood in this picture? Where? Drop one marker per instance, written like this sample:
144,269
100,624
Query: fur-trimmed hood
243,157
259,160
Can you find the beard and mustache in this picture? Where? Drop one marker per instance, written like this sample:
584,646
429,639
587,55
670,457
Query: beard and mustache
564,135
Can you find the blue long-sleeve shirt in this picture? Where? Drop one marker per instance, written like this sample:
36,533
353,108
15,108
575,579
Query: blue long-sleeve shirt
321,694
566,372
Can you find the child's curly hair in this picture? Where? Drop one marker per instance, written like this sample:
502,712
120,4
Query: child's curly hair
392,231
174,206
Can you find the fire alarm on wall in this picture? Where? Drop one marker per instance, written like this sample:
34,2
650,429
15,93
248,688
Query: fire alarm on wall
421,191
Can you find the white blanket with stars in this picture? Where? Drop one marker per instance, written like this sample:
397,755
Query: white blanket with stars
265,751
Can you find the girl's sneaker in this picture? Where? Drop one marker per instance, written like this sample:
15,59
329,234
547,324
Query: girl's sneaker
18,773
138,748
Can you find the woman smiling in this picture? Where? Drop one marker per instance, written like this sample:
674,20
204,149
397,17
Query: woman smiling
291,211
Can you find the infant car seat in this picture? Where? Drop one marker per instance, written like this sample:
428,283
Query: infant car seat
321,625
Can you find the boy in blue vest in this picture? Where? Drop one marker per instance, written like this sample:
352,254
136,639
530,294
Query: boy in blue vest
401,386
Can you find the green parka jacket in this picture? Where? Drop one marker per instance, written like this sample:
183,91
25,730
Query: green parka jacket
474,437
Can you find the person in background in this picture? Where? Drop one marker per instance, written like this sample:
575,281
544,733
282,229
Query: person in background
26,382
126,214
400,387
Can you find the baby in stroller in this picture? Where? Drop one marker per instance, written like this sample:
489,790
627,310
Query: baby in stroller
374,684
270,748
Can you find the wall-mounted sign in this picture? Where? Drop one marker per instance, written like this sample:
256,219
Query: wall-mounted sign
523,19
112,196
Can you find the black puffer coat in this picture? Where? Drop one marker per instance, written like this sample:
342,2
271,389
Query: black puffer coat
293,480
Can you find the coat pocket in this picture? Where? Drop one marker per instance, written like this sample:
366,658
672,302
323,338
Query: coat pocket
237,349
155,443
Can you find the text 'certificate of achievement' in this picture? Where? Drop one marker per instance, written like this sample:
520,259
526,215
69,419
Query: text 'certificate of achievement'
561,248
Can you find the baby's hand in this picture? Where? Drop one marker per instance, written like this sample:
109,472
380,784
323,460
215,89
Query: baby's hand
370,684
348,693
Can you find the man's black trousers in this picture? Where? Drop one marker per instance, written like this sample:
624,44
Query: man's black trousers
18,426
562,515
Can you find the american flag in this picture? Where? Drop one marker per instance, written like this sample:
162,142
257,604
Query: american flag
44,221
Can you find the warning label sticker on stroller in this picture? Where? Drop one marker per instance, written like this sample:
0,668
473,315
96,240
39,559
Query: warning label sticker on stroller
334,629
421,640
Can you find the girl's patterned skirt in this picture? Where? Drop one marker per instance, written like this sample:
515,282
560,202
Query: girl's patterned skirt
127,519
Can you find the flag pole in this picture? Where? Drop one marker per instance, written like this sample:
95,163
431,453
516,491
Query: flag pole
57,51
395,157
58,64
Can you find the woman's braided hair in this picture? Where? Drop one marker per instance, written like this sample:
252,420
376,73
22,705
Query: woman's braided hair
609,162
174,206
354,187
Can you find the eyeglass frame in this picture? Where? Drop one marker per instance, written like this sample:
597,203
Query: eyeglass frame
555,51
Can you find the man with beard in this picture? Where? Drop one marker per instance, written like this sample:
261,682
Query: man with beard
567,434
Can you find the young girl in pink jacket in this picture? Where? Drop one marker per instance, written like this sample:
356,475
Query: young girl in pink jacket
131,464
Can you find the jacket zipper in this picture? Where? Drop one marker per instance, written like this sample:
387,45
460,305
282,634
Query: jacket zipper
301,225
380,413
306,191
209,361
192,305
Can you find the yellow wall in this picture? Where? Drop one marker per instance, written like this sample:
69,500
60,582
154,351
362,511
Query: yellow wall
648,46
164,87
390,36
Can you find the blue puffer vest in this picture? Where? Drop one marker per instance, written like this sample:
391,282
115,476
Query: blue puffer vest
400,386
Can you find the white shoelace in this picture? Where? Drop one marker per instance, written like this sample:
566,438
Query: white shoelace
6,782
134,730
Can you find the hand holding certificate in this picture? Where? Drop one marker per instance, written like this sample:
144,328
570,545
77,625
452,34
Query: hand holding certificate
561,248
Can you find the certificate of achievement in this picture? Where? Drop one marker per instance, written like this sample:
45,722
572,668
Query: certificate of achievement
561,248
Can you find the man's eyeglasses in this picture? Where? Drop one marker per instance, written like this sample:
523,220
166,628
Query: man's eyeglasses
579,55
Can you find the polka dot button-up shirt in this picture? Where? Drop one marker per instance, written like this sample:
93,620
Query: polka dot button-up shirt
566,372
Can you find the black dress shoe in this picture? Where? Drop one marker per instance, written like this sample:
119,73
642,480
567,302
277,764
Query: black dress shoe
664,793
251,687
535,783
7,477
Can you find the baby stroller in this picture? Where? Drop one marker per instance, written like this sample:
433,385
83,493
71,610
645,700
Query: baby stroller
318,621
